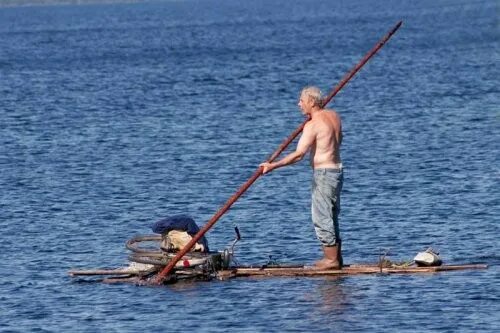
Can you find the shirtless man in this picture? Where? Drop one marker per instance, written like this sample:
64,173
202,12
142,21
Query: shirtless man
322,135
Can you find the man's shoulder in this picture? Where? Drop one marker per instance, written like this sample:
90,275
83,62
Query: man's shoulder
331,111
311,127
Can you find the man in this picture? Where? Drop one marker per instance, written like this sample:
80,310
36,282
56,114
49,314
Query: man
322,135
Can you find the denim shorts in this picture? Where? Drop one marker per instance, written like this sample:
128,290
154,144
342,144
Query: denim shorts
325,208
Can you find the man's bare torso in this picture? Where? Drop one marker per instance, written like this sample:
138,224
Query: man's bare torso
326,128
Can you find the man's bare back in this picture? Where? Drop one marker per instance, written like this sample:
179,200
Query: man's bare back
326,128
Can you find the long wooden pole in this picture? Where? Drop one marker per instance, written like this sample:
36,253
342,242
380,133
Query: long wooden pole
281,148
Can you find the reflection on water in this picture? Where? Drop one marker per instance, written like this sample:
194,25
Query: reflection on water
333,295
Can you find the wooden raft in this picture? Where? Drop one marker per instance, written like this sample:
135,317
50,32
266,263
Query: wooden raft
348,270
125,275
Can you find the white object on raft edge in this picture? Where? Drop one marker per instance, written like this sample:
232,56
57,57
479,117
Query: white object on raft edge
428,258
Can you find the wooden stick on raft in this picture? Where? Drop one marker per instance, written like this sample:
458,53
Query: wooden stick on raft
353,270
281,148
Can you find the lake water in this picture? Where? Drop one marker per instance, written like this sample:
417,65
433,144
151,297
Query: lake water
114,116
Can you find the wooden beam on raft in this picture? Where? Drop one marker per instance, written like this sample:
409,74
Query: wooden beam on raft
350,270
119,271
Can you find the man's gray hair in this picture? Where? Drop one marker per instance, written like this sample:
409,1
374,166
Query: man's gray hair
314,93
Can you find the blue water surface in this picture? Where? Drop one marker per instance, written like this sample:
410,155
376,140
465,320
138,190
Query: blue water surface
113,116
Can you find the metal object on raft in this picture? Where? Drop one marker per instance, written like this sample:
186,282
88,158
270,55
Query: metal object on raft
207,262
192,263
148,257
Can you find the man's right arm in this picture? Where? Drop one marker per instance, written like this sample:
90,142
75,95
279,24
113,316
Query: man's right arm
305,143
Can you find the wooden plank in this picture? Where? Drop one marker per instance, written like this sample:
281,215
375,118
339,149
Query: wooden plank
132,280
119,271
90,272
350,270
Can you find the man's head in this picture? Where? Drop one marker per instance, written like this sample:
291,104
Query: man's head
310,98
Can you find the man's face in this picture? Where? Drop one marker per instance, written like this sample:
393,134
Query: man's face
304,104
